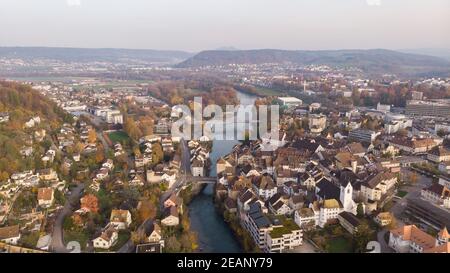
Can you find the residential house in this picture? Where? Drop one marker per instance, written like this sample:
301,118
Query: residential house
413,145
197,167
170,217
306,218
284,175
439,154
384,219
378,187
223,165
277,204
136,180
174,201
437,194
356,148
107,239
45,197
264,186
48,174
120,219
10,234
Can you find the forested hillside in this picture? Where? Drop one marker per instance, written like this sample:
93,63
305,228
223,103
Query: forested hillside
21,103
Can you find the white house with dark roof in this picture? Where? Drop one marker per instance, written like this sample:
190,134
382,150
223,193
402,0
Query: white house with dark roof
107,238
264,186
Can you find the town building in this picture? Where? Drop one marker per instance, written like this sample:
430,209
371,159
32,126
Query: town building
10,234
427,108
363,135
410,239
289,101
120,219
45,197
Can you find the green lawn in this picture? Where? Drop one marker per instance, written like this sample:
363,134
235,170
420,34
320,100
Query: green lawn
267,92
402,193
118,136
339,245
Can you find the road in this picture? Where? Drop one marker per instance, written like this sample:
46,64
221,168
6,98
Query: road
128,247
400,205
103,140
422,182
185,172
383,244
57,236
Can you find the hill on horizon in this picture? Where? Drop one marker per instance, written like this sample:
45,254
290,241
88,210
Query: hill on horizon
373,61
68,54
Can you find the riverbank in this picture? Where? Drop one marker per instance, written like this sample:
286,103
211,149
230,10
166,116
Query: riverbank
215,235
232,220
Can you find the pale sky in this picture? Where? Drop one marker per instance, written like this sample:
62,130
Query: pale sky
195,25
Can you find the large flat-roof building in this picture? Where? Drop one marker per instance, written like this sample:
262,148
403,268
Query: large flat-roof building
289,101
363,135
427,108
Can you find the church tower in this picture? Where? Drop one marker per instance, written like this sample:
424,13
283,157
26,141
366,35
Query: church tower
346,198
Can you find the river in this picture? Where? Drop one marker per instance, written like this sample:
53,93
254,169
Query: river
214,235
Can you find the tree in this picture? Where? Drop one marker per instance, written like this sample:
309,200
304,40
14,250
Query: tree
360,210
172,245
146,210
99,155
92,136
361,237
131,128
3,176
137,237
90,202
157,153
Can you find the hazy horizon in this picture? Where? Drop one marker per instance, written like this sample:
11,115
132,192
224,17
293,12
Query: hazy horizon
197,25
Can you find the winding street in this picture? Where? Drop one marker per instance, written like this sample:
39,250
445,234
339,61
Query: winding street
57,244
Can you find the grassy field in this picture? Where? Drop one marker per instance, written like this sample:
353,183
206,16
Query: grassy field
268,92
118,136
339,245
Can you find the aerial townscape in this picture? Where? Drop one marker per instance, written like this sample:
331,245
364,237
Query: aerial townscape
90,161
